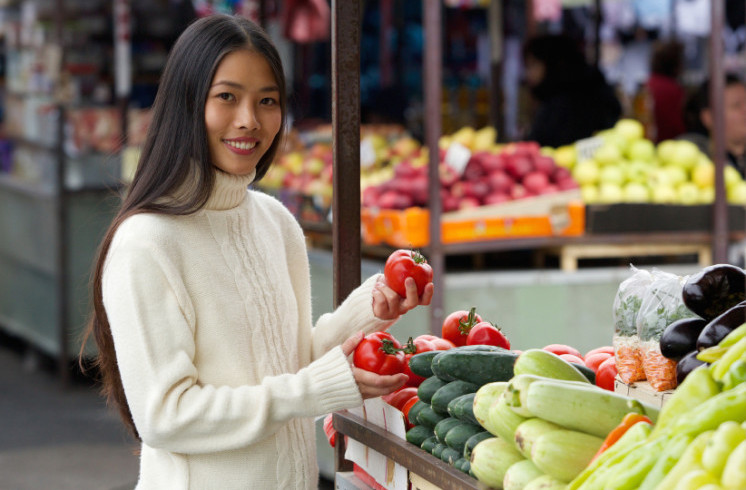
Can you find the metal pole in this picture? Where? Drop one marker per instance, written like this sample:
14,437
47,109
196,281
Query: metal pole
495,23
717,87
433,93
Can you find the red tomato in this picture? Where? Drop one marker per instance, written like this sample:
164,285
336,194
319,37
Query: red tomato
485,333
423,343
605,348
606,373
405,410
456,326
560,349
380,353
402,264
572,358
329,431
594,360
398,398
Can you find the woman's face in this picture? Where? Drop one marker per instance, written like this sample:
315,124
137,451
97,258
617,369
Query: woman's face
734,100
242,112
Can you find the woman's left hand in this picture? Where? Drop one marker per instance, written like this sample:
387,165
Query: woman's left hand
388,305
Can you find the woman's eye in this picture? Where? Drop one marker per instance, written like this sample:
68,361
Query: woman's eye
225,96
268,101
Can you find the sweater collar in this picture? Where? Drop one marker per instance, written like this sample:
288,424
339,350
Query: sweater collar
229,190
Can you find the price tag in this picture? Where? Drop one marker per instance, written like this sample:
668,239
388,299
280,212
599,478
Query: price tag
457,157
367,154
587,147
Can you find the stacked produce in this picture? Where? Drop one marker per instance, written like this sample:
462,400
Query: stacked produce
626,167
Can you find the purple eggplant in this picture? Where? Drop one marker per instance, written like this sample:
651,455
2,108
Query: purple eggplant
714,290
686,365
719,327
680,337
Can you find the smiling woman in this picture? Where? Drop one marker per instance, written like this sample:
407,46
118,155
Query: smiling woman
242,113
201,289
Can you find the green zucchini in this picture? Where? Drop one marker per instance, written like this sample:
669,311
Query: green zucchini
417,434
456,438
445,394
438,449
416,408
420,364
446,376
473,441
449,455
475,366
587,372
428,417
444,426
429,443
427,388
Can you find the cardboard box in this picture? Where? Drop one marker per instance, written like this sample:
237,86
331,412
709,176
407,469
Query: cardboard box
641,390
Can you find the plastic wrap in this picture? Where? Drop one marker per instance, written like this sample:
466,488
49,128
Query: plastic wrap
626,341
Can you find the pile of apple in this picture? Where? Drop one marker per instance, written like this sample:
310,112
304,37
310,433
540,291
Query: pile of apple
626,167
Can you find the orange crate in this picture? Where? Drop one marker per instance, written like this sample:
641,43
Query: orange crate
410,227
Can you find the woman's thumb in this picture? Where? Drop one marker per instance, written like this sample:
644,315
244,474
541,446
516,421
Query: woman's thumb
348,347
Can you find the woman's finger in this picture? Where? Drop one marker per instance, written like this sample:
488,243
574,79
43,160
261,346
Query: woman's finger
349,345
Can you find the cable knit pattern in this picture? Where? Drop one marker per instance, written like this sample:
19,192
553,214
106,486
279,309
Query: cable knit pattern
223,371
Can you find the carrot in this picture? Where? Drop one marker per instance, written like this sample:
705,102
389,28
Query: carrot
617,432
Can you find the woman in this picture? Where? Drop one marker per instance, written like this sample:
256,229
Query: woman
201,291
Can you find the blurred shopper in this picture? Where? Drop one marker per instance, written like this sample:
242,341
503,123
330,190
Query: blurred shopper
665,91
201,291
573,98
699,120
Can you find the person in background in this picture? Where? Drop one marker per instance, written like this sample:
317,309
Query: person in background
665,91
573,99
202,293
699,120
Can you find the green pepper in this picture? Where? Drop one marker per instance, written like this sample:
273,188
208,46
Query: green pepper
734,353
726,438
734,473
671,454
728,405
734,336
690,459
635,437
736,374
696,388
631,471
696,479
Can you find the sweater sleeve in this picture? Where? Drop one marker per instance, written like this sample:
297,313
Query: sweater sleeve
355,314
153,327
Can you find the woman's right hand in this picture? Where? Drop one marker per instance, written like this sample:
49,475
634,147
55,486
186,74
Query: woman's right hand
371,385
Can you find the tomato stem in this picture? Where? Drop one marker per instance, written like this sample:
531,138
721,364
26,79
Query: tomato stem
387,347
409,348
471,320
418,257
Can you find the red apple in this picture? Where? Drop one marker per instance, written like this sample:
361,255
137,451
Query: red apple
496,198
450,203
567,184
560,173
500,181
518,192
448,176
545,164
468,203
518,165
477,189
535,182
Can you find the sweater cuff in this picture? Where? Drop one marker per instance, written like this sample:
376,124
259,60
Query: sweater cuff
358,309
332,380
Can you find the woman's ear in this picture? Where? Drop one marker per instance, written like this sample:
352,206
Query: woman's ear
705,115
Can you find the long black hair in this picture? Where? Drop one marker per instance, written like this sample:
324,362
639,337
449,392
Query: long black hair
176,153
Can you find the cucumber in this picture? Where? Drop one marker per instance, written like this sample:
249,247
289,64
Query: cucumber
420,364
438,449
444,426
428,417
417,434
427,388
451,390
456,438
443,374
465,408
475,366
429,443
462,464
473,441
587,372
416,408
450,456
455,409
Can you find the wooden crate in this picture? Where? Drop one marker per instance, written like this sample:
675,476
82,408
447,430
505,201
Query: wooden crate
641,390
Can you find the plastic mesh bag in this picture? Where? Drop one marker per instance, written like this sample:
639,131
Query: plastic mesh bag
661,306
626,341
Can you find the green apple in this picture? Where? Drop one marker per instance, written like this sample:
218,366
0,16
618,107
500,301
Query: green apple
613,174
636,192
565,156
707,195
609,192
608,154
663,194
586,172
630,129
687,193
660,176
642,150
685,154
736,194
703,174
731,176
589,193
665,151
613,138
677,175
639,171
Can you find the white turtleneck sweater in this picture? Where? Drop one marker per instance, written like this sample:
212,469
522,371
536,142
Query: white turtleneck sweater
222,368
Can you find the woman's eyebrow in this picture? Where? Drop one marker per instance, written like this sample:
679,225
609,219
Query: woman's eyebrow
269,88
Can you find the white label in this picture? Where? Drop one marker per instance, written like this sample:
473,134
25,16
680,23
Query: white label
587,147
367,154
457,157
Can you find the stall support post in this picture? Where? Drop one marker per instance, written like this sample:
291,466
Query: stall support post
433,127
717,87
